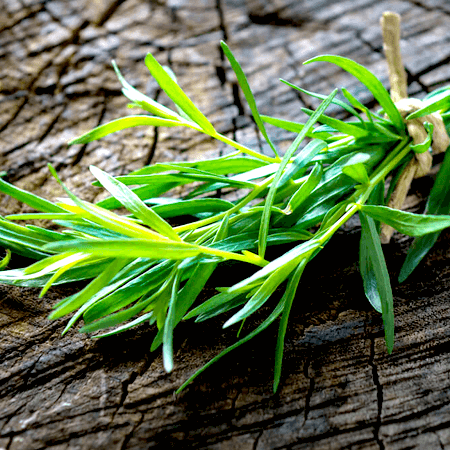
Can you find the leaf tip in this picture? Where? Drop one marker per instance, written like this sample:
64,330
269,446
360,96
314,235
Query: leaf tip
276,383
52,171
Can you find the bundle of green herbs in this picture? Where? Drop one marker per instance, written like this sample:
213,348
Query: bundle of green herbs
143,269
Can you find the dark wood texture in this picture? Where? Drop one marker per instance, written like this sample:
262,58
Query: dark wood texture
339,388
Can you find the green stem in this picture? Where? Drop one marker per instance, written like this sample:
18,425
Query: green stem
341,142
325,235
201,223
395,156
248,257
244,149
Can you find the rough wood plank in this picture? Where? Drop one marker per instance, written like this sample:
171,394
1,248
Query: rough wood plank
339,389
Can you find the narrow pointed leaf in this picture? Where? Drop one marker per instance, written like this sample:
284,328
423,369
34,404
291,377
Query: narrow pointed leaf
5,260
371,82
243,83
265,219
366,268
382,280
438,203
262,294
142,100
127,326
134,204
38,203
440,102
302,160
406,222
169,326
418,250
357,104
86,297
305,189
424,146
126,122
287,300
339,125
295,127
176,94
335,101
275,313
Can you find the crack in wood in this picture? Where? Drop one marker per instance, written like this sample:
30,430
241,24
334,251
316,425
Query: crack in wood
222,22
128,437
379,388
81,152
106,14
424,6
309,394
24,14
257,439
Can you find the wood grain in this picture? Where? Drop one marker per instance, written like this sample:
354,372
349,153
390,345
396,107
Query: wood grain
339,388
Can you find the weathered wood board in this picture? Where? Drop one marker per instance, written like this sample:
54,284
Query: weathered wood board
339,389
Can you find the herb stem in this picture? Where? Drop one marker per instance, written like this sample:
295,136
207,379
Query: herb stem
341,221
202,223
396,155
244,149
402,149
248,257
341,142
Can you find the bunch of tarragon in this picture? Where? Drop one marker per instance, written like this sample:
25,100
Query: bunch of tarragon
143,269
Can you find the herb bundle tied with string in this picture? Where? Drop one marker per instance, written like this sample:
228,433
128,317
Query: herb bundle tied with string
143,269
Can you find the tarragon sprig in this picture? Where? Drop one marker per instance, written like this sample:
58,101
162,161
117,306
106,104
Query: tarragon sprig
151,264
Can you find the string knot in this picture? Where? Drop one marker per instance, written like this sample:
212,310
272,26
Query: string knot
421,164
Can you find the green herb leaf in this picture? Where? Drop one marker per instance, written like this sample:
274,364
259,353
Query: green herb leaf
418,250
5,260
339,125
86,297
439,102
169,325
405,222
132,202
365,256
127,326
287,300
425,145
357,172
126,122
136,280
28,198
275,313
438,203
366,267
302,160
335,101
243,83
265,219
295,127
357,104
262,294
371,82
305,189
142,100
191,207
372,241
171,88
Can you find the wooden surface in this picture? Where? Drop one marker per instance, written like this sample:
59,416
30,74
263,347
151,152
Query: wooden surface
339,388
